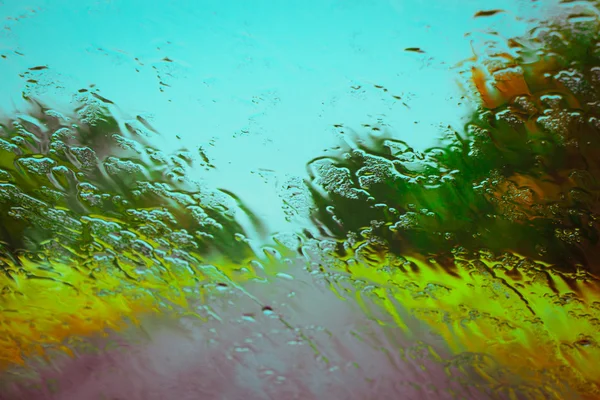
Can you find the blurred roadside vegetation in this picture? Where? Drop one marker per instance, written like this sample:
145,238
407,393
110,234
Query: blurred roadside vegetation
491,236
97,225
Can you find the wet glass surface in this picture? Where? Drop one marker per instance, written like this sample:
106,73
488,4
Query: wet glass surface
299,200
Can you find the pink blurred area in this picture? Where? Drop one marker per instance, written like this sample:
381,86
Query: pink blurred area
247,353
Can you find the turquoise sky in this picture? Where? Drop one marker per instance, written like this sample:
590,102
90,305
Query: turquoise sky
263,81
